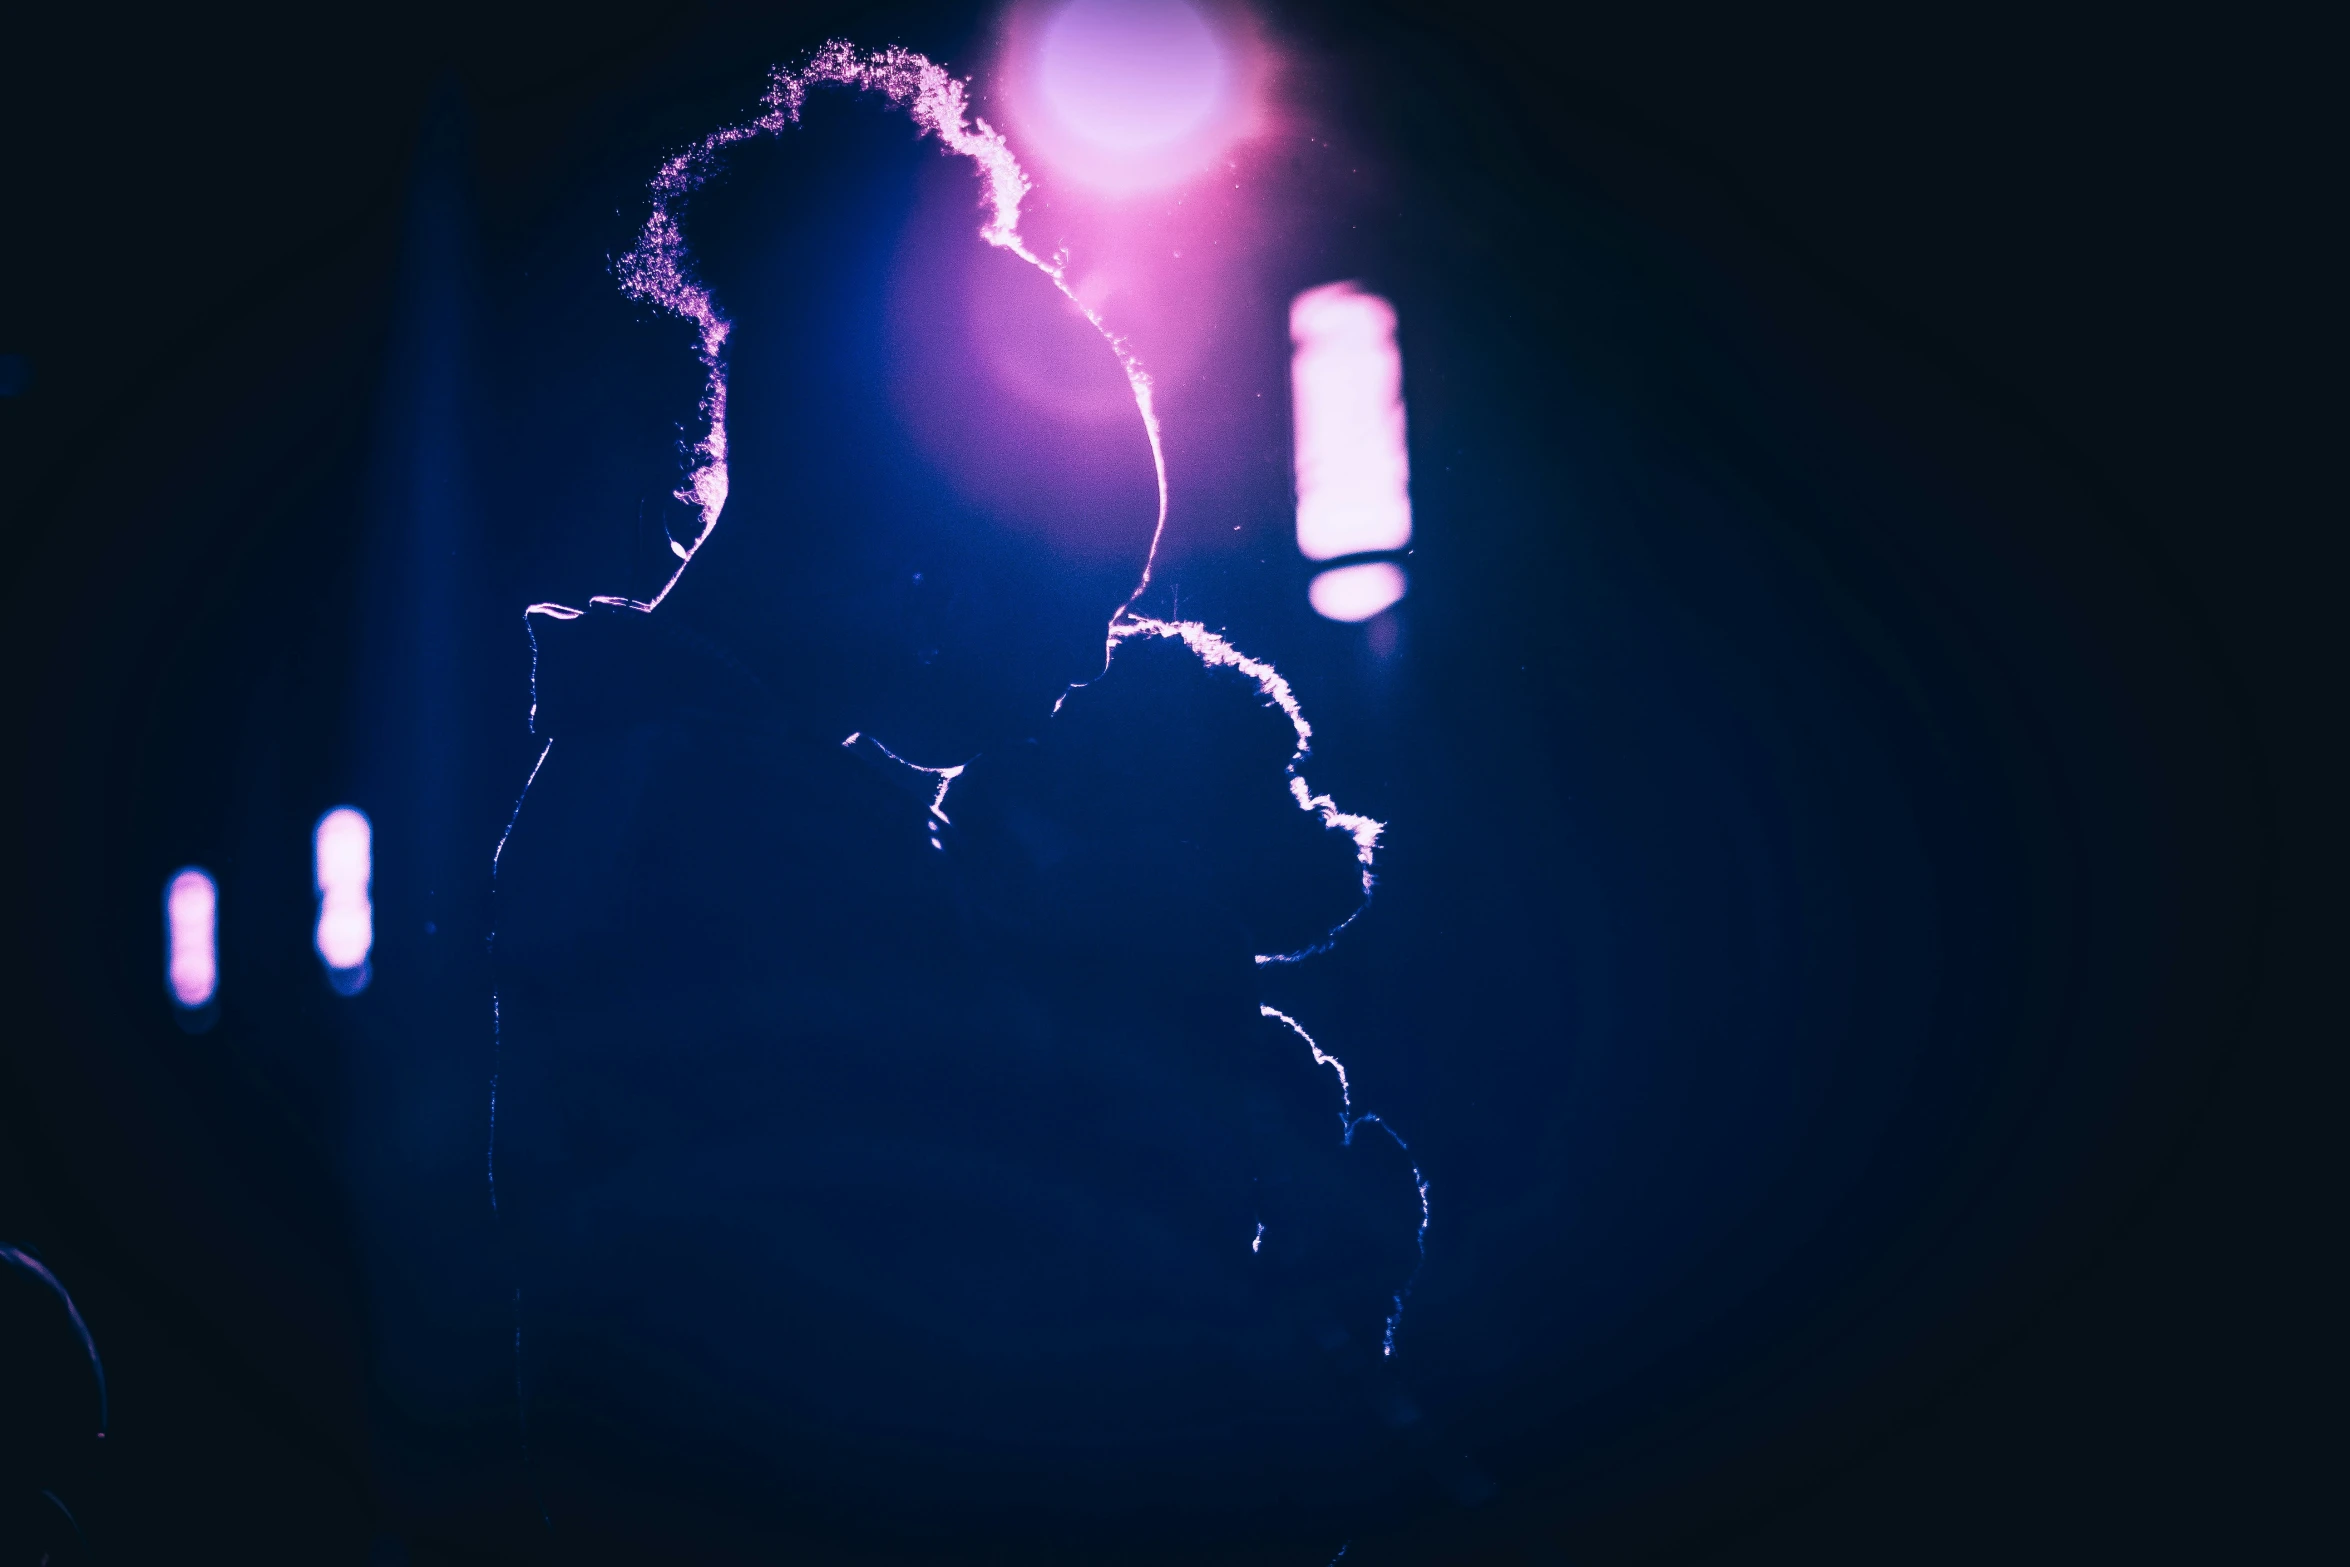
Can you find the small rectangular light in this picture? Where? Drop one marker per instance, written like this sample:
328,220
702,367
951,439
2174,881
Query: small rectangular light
343,855
191,922
1346,387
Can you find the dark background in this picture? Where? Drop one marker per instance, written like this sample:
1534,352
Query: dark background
2044,283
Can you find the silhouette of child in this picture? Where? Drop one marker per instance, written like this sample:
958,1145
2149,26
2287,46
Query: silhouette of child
882,1145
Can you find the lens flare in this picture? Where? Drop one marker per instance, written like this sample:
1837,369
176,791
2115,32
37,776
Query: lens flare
660,270
1131,78
1128,96
1163,123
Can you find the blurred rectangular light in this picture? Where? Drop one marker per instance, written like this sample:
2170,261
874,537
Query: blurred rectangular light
191,921
343,850
1346,389
1356,592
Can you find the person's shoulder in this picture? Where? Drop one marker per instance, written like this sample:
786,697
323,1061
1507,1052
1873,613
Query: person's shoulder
660,749
616,664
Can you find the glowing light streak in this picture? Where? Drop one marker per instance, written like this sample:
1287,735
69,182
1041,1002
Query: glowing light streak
191,917
1348,1122
1357,592
946,776
552,612
1346,389
497,1013
342,857
515,815
40,1270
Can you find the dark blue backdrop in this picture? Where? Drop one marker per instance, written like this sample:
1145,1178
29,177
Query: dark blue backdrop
1834,839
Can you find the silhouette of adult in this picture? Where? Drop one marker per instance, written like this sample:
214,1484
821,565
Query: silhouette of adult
879,1164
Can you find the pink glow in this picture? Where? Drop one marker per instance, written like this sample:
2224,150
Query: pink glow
343,858
659,270
191,916
1348,1124
1346,1119
1128,96
1131,77
1352,593
974,344
1346,387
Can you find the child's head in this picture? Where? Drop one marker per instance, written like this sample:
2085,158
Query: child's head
940,489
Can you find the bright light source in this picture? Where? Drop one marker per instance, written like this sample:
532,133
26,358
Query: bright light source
1346,390
191,922
1352,593
343,854
1131,77
1129,95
